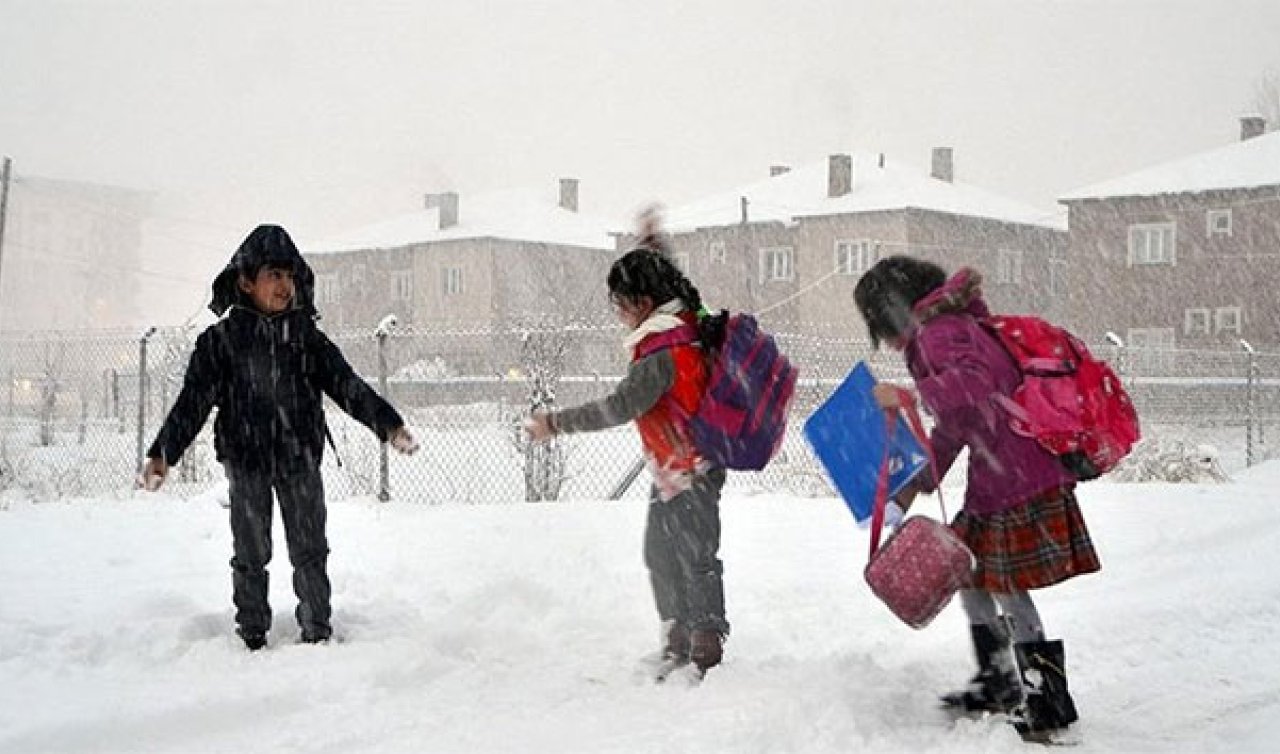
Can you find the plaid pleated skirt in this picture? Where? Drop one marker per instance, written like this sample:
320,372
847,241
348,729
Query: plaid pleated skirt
1034,545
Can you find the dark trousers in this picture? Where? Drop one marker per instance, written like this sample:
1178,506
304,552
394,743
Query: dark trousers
301,497
681,542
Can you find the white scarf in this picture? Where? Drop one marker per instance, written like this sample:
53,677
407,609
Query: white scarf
662,319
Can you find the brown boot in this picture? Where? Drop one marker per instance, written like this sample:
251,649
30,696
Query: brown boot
677,642
706,648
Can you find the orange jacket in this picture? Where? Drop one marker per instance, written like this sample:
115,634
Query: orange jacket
664,429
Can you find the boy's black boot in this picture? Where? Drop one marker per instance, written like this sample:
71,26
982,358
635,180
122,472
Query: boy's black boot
1049,705
996,687
316,635
253,640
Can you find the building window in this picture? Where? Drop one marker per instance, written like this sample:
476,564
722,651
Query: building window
1196,322
775,264
453,281
1057,278
402,285
1226,319
715,252
681,260
1152,243
1009,267
854,257
327,289
1219,222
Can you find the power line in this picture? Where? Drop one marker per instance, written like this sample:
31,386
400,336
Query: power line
800,292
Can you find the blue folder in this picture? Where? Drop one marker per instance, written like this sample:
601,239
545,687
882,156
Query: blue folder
847,433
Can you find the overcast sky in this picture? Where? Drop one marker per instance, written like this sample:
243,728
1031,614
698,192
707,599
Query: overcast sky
324,115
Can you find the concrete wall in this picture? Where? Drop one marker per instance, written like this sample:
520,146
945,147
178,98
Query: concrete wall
1210,271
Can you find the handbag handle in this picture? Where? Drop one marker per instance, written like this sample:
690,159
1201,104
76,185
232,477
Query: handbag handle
907,401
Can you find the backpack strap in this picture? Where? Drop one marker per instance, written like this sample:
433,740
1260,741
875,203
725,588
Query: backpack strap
1020,418
1041,367
329,436
916,427
685,334
676,336
995,325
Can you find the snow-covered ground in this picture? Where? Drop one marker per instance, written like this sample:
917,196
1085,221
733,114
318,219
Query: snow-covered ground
518,628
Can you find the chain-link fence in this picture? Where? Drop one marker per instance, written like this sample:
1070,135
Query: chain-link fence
79,409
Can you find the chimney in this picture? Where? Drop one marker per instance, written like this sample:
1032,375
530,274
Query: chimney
839,175
942,168
447,204
569,194
1251,126
777,170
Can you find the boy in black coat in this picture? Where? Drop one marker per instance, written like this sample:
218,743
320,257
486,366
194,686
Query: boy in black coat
265,365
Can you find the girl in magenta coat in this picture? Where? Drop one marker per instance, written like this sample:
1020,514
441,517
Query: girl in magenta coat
1020,516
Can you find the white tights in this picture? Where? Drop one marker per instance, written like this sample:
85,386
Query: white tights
986,608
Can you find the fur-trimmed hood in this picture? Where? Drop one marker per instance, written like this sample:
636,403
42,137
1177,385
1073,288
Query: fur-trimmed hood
962,293
959,367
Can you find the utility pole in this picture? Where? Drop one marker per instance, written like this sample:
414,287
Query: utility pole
4,210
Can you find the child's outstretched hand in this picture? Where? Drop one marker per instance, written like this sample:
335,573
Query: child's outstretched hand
403,441
888,396
153,474
538,426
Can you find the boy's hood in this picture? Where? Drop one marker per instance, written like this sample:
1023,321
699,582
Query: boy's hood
266,244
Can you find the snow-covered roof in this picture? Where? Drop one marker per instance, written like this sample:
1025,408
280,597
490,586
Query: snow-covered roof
877,186
525,214
1244,164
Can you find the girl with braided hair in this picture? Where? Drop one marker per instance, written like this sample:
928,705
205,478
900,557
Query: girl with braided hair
662,387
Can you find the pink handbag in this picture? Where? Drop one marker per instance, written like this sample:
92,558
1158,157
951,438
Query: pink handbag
923,563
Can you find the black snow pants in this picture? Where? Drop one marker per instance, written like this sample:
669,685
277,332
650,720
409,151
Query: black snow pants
681,546
302,509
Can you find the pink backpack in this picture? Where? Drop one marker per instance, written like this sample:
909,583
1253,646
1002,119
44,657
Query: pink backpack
1069,402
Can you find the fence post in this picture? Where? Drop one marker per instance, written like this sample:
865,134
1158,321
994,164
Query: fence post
1251,418
84,418
384,469
1115,340
115,401
142,394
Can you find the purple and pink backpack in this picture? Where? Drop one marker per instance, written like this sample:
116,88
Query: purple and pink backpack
742,418
1070,402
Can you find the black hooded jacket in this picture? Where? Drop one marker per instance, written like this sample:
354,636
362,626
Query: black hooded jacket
266,374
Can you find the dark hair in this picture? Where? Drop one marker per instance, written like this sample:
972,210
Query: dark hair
251,270
886,293
646,272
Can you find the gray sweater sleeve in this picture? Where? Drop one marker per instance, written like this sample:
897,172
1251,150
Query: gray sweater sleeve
646,381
